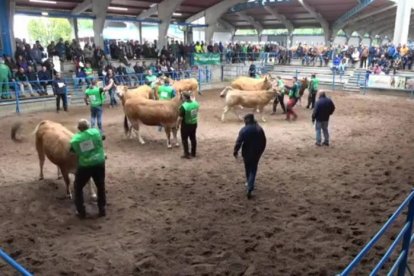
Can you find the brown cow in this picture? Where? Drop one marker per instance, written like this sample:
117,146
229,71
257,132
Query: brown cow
53,141
125,93
249,84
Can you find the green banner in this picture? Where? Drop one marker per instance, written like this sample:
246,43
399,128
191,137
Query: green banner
206,59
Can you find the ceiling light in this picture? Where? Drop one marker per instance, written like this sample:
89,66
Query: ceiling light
117,8
177,14
43,1
45,13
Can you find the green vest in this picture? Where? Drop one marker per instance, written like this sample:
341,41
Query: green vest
314,84
89,73
5,73
294,92
191,112
281,85
97,98
165,92
88,147
151,80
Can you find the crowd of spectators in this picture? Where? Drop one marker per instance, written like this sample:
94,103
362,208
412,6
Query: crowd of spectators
32,69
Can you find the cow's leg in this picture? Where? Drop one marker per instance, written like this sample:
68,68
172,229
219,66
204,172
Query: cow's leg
168,133
226,109
41,155
65,175
136,127
174,130
92,190
261,109
237,115
59,173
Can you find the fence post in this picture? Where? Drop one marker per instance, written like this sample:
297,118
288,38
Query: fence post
222,73
358,78
296,73
199,81
17,94
333,81
407,238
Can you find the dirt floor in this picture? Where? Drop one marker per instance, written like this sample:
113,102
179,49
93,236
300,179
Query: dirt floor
313,209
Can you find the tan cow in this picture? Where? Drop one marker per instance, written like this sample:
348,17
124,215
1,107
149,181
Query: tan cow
125,93
53,141
250,99
152,113
186,85
250,84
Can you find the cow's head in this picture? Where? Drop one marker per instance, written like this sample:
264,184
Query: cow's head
121,91
267,82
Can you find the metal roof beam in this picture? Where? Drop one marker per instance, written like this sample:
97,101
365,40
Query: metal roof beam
341,21
82,7
226,25
371,21
149,12
252,21
281,18
324,23
367,15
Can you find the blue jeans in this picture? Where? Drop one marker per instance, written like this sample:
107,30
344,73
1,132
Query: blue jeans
322,126
96,115
250,166
112,97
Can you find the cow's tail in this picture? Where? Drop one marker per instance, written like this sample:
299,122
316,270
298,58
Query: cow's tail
16,129
126,125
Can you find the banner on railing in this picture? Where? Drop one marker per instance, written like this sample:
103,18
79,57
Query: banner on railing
206,59
385,81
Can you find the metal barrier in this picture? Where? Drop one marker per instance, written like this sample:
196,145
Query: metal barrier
405,235
14,264
75,86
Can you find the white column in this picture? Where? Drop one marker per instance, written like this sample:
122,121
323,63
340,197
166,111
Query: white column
402,21
99,8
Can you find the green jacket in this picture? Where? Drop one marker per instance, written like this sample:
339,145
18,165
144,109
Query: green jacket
96,96
5,73
190,110
88,147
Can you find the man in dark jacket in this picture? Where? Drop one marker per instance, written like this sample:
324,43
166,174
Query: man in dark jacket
252,70
252,140
59,89
323,110
44,78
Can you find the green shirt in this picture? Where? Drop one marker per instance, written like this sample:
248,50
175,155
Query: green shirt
281,85
165,92
190,112
294,92
88,147
89,73
96,95
314,84
5,73
150,79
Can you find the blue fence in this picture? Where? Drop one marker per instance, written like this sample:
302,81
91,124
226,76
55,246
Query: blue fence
404,236
18,92
14,264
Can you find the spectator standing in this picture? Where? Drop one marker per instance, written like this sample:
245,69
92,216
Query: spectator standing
60,92
323,110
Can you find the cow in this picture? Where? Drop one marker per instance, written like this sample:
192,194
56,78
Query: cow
186,85
153,113
125,93
52,140
249,84
250,99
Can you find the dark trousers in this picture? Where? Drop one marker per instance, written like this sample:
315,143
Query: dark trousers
363,62
189,131
279,99
83,175
64,99
250,166
311,99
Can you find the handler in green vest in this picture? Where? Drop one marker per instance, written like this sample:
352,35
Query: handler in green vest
313,90
89,73
150,79
166,91
279,85
5,76
95,97
188,120
293,99
88,147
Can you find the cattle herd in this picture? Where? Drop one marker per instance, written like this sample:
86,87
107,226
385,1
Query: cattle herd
141,106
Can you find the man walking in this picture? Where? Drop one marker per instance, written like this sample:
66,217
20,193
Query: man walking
95,96
87,145
252,140
280,85
293,98
59,89
313,90
323,110
188,119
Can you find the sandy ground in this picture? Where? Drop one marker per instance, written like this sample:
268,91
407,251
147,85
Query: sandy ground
313,209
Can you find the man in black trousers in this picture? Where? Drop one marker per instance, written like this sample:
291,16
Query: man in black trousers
252,140
59,90
188,120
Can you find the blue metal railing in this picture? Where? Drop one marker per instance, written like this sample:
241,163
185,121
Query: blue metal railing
405,235
14,264
202,74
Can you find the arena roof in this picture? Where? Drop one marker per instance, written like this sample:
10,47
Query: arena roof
348,15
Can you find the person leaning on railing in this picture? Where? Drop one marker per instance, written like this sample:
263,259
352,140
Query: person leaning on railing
5,76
